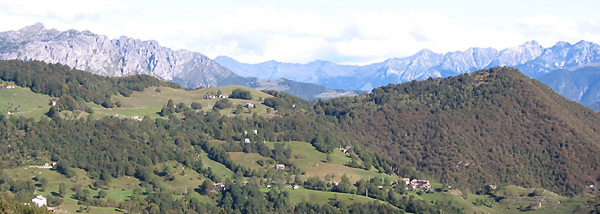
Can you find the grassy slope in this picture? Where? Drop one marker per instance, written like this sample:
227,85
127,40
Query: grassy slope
144,104
149,102
307,158
247,160
119,189
29,104
216,167
320,197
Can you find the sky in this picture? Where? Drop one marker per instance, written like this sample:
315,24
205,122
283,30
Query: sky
300,31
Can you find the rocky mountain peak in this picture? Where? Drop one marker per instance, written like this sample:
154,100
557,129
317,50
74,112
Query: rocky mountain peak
98,54
561,44
531,43
37,27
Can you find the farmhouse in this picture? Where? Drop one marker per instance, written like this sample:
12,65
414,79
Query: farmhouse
346,149
247,140
420,184
209,96
40,201
224,96
220,185
249,105
279,166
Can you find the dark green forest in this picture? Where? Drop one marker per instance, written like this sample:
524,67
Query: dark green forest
494,126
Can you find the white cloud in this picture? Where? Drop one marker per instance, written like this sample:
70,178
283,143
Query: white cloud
62,10
256,32
547,28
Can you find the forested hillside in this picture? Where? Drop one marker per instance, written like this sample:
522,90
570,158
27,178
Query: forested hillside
494,126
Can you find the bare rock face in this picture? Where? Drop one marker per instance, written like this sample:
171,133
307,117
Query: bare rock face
125,56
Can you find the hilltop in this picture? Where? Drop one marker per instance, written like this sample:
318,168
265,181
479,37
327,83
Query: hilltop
494,126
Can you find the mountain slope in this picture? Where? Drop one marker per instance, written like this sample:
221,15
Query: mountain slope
125,56
581,85
494,126
307,91
533,60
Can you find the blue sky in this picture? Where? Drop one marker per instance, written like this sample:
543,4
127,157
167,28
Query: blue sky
347,32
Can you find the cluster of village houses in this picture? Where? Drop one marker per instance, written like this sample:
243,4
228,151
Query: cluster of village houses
415,184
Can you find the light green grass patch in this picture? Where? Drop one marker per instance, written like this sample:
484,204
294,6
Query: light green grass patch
320,197
307,158
248,160
24,101
457,201
149,102
185,180
219,169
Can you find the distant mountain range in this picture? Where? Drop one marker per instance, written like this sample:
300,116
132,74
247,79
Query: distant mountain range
125,56
531,58
579,84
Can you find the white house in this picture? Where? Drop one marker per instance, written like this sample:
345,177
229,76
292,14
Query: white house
249,105
406,181
279,166
247,140
40,201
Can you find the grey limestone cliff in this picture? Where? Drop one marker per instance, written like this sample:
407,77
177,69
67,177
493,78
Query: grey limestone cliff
124,56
